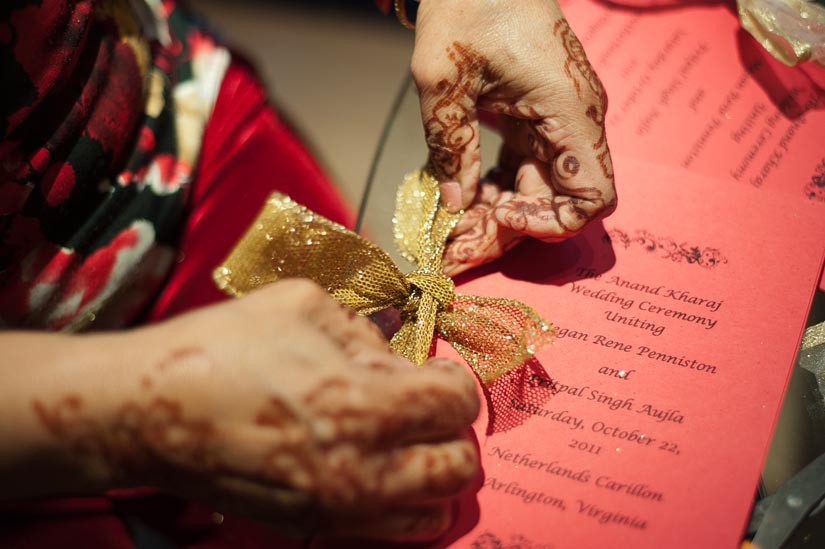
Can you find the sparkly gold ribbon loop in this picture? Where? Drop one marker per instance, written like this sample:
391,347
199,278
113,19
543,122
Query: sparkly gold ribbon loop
288,241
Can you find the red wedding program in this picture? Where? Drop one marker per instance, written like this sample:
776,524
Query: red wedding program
646,424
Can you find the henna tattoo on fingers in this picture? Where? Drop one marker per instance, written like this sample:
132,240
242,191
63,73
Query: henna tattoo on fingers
567,165
600,146
475,245
449,128
471,218
519,214
480,239
368,453
578,68
438,471
577,58
443,412
340,413
556,216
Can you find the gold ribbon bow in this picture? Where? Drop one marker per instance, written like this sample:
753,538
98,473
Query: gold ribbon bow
287,241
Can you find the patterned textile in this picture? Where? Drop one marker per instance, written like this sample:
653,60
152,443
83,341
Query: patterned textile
103,107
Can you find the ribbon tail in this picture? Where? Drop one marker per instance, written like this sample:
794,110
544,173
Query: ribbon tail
493,335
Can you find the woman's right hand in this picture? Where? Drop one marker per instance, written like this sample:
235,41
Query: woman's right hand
522,61
281,406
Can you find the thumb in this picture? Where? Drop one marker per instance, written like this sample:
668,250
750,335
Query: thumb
448,88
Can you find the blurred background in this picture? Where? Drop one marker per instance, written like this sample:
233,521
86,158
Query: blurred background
332,68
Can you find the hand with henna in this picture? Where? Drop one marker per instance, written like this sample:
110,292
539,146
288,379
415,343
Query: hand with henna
281,406
522,61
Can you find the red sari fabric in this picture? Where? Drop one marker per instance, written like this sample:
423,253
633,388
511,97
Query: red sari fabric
248,153
104,107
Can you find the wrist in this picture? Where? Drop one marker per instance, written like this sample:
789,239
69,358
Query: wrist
62,392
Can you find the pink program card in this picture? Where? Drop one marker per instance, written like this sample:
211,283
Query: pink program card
689,88
645,425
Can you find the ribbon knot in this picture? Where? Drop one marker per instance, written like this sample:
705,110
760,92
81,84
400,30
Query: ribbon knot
288,241
440,286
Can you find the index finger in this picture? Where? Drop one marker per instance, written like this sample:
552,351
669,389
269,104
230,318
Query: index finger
448,88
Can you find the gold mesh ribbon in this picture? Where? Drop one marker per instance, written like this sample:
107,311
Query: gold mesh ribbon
287,241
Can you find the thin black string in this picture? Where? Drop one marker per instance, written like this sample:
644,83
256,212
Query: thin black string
396,106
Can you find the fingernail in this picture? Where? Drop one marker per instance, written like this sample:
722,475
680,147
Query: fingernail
451,196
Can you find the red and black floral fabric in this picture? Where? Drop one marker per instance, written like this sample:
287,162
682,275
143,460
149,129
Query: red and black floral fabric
103,108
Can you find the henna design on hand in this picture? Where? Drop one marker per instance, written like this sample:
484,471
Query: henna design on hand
577,59
356,466
66,420
521,215
288,461
449,129
567,165
166,433
481,239
474,244
332,448
138,433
